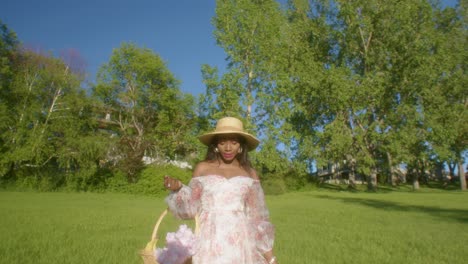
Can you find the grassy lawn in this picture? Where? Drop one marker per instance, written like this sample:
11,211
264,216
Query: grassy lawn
319,226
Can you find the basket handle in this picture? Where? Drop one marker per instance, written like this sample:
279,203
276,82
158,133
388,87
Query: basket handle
197,225
163,214
156,227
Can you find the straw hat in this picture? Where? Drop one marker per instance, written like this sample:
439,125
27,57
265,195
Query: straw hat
230,125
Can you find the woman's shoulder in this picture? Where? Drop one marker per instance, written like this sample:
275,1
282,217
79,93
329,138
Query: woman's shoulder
253,174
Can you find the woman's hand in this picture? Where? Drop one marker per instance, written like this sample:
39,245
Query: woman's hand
270,257
172,184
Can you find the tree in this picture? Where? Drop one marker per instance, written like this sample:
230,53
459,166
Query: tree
8,47
223,96
50,123
149,113
245,30
446,105
366,99
251,33
347,81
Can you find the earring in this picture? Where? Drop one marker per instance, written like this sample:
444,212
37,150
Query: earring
216,150
240,150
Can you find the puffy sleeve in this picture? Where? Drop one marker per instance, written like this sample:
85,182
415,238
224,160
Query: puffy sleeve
185,203
258,215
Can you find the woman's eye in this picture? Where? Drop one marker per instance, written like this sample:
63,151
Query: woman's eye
227,140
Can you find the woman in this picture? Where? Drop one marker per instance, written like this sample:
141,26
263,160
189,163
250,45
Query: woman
226,196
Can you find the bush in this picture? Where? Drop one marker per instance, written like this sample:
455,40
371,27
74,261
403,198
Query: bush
274,186
117,182
150,180
284,181
43,179
91,179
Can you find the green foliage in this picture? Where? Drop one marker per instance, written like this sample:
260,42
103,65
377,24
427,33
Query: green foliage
223,96
274,186
147,111
371,96
278,173
151,179
50,123
117,182
373,83
8,46
45,179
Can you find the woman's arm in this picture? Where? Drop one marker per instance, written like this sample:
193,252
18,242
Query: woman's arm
258,215
184,201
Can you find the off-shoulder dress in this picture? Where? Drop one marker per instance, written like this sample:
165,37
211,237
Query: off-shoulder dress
234,225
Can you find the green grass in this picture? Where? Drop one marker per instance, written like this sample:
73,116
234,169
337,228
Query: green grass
312,227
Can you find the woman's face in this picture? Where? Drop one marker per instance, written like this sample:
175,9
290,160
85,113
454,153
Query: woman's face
228,146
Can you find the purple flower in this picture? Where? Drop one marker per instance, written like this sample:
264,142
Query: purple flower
179,247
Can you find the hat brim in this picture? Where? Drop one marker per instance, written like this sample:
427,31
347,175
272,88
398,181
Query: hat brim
251,141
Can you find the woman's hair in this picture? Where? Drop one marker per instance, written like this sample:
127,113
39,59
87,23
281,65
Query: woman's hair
242,157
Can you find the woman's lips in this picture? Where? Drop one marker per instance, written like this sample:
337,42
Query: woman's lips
228,156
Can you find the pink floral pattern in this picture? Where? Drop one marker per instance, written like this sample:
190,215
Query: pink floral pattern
233,219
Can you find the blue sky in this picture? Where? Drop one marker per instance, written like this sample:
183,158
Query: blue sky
180,31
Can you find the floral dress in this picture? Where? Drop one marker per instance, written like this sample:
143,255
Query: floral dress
233,220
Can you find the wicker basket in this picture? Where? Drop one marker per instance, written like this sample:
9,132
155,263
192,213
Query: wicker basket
147,254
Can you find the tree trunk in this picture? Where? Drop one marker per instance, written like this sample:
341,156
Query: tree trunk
415,179
461,174
415,183
423,173
372,180
352,178
351,172
439,171
391,179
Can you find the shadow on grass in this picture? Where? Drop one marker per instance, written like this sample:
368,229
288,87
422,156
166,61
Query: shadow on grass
332,187
359,188
459,215
447,186
385,188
